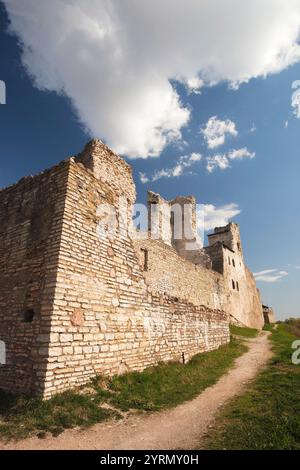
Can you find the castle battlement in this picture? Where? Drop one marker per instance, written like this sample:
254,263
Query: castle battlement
74,305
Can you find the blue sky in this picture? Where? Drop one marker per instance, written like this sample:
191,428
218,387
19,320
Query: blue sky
40,128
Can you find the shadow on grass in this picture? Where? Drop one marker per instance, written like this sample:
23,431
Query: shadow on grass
22,416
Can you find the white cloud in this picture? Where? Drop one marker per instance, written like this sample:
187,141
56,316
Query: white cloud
270,275
195,157
219,216
296,98
143,178
215,131
194,85
217,161
115,59
222,161
240,154
253,129
182,164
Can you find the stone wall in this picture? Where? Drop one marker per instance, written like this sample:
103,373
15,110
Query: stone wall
168,273
31,214
105,318
175,223
244,304
269,315
74,304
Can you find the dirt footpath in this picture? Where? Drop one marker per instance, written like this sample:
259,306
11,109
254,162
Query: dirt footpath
178,428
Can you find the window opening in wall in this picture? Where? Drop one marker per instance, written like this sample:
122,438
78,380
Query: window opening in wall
233,284
233,263
229,262
237,286
239,246
145,258
28,316
183,358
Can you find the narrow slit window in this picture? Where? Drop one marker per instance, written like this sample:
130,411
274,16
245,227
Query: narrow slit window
237,286
233,263
145,258
229,261
233,285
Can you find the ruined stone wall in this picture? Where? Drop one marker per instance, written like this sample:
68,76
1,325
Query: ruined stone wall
31,215
269,315
73,305
174,222
159,218
244,305
105,318
106,305
229,236
166,272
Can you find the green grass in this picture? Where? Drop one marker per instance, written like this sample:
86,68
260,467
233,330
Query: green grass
159,387
268,327
267,416
293,326
23,416
243,331
171,384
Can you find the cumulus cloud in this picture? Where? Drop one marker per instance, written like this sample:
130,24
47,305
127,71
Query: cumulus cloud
183,163
219,216
240,154
116,60
216,131
270,275
217,161
222,161
296,98
194,85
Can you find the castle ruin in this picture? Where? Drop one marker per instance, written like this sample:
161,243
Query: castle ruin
73,305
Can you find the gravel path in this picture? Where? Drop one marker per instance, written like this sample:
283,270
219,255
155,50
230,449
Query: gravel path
178,428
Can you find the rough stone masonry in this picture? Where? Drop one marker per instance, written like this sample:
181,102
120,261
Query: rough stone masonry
73,305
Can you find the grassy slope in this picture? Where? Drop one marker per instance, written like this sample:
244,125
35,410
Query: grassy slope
171,384
267,416
243,331
156,388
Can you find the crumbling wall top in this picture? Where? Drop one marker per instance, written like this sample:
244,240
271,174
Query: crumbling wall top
108,167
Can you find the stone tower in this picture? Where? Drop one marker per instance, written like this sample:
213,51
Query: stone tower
175,223
228,236
243,300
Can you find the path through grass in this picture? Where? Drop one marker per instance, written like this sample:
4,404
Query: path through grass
267,416
159,387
